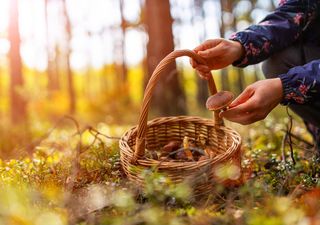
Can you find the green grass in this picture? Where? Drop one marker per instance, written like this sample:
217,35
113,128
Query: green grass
65,182
67,175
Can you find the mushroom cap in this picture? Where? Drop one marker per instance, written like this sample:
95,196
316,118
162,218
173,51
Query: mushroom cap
219,100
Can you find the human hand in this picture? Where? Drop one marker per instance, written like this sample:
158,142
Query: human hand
218,53
255,102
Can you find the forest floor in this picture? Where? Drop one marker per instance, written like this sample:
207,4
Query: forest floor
73,176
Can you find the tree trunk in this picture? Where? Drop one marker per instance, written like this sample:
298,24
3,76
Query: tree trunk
240,73
168,97
124,69
224,72
241,81
18,103
202,85
71,90
52,73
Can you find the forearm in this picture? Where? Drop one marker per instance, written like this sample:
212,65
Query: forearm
276,32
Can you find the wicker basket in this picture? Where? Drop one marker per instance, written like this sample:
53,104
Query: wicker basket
158,132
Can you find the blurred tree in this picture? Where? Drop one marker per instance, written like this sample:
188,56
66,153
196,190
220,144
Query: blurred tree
123,42
71,90
18,103
53,77
202,86
249,18
225,7
169,96
239,71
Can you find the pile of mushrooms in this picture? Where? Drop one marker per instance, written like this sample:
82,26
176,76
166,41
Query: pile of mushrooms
193,150
185,150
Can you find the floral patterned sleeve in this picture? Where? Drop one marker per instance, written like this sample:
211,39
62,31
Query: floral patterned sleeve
301,84
276,31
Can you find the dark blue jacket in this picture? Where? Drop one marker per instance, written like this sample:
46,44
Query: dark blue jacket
292,21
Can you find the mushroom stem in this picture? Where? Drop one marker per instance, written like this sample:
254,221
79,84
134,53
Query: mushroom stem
217,118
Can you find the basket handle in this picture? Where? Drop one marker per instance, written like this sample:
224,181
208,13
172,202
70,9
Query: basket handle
156,75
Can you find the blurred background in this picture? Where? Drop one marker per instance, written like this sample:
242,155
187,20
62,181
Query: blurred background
92,58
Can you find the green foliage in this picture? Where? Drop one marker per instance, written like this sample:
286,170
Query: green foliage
73,182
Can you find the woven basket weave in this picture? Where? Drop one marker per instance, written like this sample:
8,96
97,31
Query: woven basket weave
158,132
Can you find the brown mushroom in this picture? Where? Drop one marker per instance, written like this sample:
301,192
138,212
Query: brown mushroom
203,158
219,101
181,155
209,152
170,147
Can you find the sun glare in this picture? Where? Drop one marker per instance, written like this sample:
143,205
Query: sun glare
95,32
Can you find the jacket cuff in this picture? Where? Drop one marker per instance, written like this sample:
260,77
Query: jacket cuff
291,95
241,37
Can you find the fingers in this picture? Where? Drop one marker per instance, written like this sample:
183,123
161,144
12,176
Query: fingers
211,52
193,63
239,110
201,67
244,113
207,45
204,76
255,103
243,97
202,70
248,118
244,119
204,49
209,48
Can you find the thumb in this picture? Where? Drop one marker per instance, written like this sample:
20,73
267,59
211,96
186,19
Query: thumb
243,97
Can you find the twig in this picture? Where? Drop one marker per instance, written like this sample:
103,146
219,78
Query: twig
96,137
289,128
30,147
299,138
79,149
75,123
283,145
283,184
101,134
76,163
94,132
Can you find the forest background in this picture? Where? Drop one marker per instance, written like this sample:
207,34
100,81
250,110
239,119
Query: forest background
92,58
72,79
